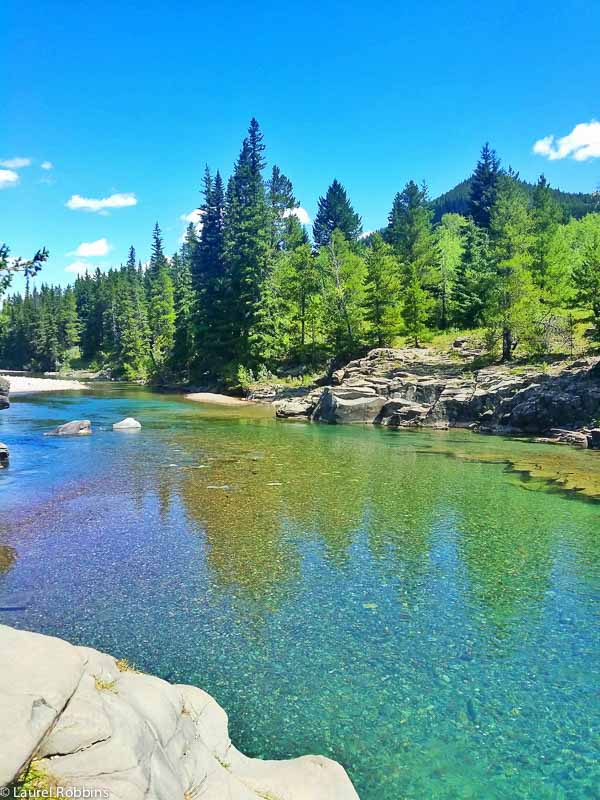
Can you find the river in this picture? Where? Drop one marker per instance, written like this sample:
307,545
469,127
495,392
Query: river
417,605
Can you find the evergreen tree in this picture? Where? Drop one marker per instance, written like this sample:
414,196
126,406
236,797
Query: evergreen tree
247,248
382,293
335,212
184,342
547,265
510,229
282,202
409,230
484,186
473,279
161,308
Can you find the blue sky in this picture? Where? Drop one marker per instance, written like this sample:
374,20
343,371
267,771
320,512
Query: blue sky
134,98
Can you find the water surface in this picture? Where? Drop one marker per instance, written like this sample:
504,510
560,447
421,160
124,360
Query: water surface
404,602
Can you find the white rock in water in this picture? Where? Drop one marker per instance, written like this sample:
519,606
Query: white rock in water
91,723
128,424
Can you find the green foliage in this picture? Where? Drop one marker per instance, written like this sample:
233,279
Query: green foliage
247,296
382,293
335,212
342,274
484,187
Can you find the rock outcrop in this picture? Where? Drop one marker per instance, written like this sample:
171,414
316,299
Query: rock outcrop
76,718
79,427
412,387
127,424
4,389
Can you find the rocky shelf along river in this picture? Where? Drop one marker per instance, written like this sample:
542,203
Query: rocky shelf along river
420,387
79,720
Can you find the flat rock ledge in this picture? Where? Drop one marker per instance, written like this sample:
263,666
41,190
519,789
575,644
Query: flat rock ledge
420,387
4,390
79,719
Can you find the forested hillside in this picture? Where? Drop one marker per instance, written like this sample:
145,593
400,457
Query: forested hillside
572,204
251,293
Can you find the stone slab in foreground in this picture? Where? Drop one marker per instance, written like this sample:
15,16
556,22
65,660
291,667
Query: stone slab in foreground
90,722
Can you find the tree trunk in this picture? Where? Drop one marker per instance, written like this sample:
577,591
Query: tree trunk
507,344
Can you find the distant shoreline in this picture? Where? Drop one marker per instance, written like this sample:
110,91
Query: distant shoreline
20,384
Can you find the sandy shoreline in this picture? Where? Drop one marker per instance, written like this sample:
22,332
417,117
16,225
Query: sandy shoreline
216,399
20,384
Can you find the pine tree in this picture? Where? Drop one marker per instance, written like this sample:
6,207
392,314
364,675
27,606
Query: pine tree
547,266
382,293
510,229
409,230
484,186
184,343
247,248
282,202
473,279
335,212
161,308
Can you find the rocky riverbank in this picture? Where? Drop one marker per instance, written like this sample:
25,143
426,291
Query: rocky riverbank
76,718
421,387
22,384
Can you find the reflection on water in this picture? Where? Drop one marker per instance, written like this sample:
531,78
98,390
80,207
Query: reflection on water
426,620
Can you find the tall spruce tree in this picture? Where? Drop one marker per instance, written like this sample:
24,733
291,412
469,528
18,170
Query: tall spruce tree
409,229
335,212
184,346
473,279
484,186
247,247
161,308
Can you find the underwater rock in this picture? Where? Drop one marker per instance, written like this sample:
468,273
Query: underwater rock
91,723
79,427
127,424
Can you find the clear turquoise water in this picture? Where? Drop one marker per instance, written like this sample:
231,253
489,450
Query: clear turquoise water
427,621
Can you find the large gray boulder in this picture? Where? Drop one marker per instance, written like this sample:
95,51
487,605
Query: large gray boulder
79,427
127,424
4,390
353,406
88,722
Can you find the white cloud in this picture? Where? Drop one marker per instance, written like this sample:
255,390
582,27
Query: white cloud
47,165
15,163
300,213
8,177
79,267
194,216
100,247
582,143
365,234
120,200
